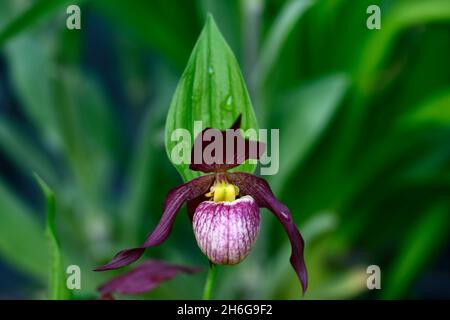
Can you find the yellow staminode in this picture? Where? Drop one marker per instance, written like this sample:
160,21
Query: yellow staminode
223,191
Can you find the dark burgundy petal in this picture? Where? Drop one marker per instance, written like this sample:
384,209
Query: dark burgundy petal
231,142
143,278
260,190
122,258
174,200
193,204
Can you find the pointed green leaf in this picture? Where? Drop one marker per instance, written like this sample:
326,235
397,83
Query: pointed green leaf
22,242
211,90
57,284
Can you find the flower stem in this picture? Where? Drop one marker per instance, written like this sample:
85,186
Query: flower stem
210,282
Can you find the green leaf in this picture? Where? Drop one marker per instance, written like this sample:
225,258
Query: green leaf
435,111
211,90
31,16
87,126
428,235
22,242
345,285
147,156
403,15
312,230
283,25
306,113
23,151
165,25
31,80
370,63
144,164
57,284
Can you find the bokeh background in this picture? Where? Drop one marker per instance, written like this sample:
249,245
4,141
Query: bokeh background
364,119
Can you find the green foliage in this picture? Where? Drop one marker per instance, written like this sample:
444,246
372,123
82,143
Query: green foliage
433,113
57,285
363,118
31,16
306,112
282,27
22,239
426,237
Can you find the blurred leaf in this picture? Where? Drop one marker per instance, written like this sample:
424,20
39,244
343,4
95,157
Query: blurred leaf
86,126
369,65
144,192
403,15
342,286
31,80
166,25
251,18
24,153
434,112
62,105
306,113
87,122
22,240
430,168
57,285
422,242
313,229
211,90
147,156
141,186
35,13
98,121
321,223
280,30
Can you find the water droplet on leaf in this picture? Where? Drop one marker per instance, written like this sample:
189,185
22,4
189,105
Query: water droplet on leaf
228,103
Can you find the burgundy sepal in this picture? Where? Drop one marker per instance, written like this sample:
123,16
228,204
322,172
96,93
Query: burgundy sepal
218,151
172,205
260,190
143,278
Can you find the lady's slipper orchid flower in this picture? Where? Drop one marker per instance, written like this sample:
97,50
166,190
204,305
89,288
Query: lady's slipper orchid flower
223,206
143,278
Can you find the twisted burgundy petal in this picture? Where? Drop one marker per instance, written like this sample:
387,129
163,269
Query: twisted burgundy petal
174,200
260,190
143,278
240,149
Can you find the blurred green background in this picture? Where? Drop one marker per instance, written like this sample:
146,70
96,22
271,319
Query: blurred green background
364,119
